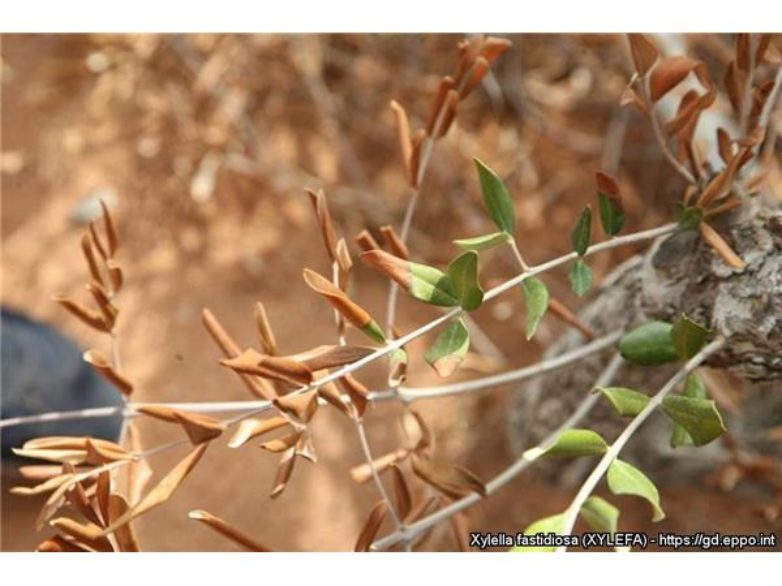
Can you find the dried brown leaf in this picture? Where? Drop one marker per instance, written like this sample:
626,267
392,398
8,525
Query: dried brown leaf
362,473
125,536
404,500
199,428
331,356
89,256
92,318
403,132
643,51
226,530
284,471
669,73
392,266
366,242
265,332
721,247
302,406
321,207
479,69
453,481
163,490
86,534
394,243
357,392
252,428
111,232
376,517
338,299
58,544
100,363
445,87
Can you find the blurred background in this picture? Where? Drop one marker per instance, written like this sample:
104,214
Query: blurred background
203,146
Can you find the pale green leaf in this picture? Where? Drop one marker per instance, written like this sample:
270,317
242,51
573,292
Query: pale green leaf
695,389
536,302
553,524
449,349
580,276
624,478
601,515
463,275
627,402
431,285
577,442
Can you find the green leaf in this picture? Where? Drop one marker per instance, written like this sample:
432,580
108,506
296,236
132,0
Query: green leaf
431,285
497,199
536,303
688,337
582,232
623,478
580,276
601,515
573,443
553,524
449,348
483,242
688,218
649,344
463,275
627,402
612,215
695,389
699,417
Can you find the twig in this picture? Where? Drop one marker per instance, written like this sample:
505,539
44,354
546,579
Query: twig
611,454
391,345
526,459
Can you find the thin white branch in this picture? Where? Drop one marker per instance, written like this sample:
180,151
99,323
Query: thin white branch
611,454
526,459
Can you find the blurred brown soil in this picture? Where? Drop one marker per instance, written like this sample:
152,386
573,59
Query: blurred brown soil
248,239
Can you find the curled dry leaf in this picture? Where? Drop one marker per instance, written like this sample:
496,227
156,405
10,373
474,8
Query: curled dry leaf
96,241
415,156
493,47
357,392
100,363
394,243
265,332
404,500
284,471
453,481
111,231
332,396
163,490
338,299
460,531
107,309
363,472
139,472
115,275
97,454
47,485
324,220
721,183
325,357
643,51
721,247
344,261
305,448
230,349
445,87
86,534
403,132
252,428
199,428
301,406
102,493
57,544
281,444
124,535
669,73
376,517
251,362
366,242
89,256
226,530
88,316
449,115
479,69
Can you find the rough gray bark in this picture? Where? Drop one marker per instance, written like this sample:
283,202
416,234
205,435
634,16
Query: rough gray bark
679,274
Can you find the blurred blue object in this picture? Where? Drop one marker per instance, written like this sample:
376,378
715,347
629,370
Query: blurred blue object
43,371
